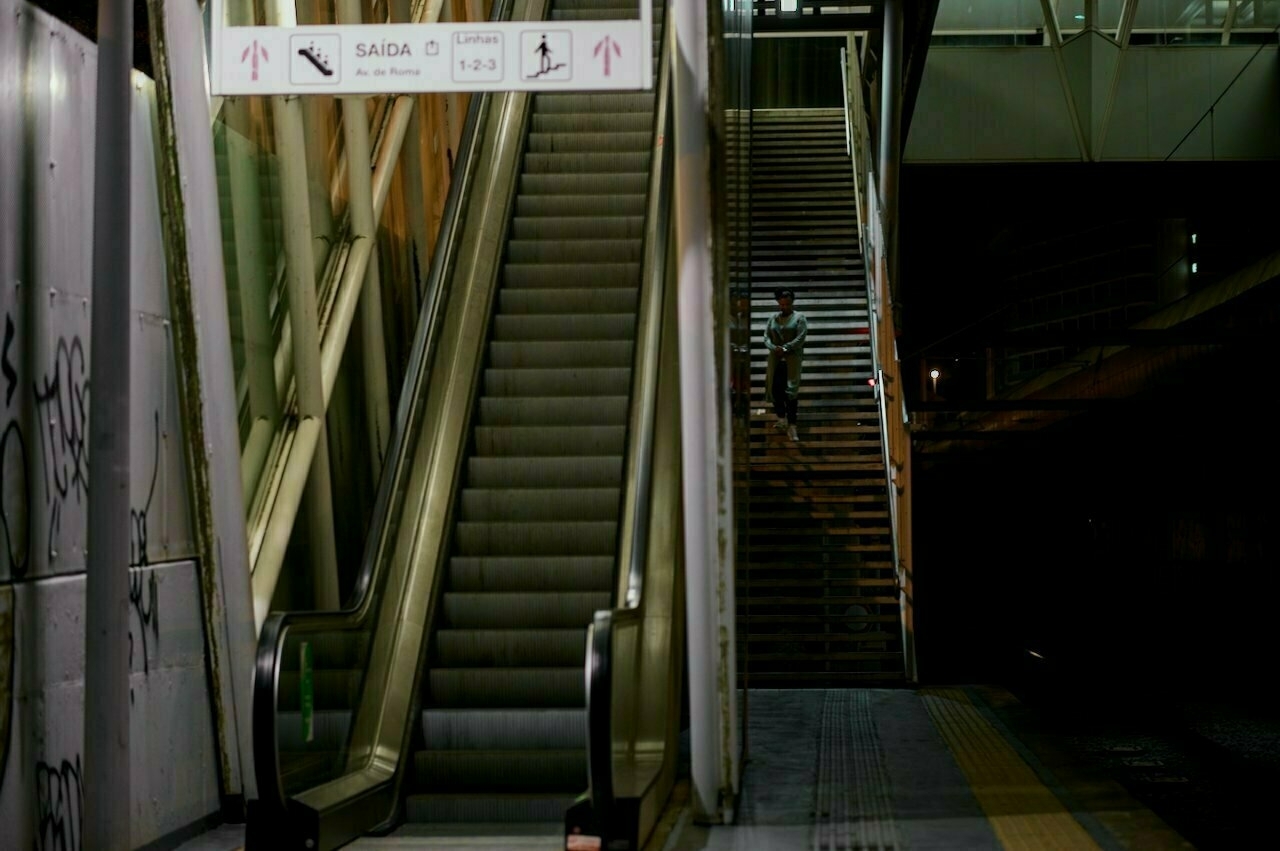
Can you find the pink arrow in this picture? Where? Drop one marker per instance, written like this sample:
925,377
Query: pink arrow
255,50
607,46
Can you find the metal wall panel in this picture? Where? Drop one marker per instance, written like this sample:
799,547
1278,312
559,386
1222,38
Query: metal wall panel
47,97
174,766
48,86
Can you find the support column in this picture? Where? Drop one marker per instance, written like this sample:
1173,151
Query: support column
891,136
705,438
107,801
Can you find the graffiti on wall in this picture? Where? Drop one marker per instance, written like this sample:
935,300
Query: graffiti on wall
59,806
15,498
62,400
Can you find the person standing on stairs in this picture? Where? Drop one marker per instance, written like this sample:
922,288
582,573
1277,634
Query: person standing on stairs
784,337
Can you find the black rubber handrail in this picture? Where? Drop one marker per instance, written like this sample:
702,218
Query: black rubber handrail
360,610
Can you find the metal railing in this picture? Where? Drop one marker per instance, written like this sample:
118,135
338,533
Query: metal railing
895,436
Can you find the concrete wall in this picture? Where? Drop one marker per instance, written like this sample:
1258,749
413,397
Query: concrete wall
1010,104
47,99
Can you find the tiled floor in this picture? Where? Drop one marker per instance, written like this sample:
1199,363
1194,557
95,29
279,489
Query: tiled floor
227,837
900,769
946,769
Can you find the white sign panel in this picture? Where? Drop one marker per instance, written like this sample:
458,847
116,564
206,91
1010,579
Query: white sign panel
366,59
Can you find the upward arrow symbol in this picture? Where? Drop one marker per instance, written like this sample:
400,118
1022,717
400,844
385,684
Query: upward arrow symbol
608,48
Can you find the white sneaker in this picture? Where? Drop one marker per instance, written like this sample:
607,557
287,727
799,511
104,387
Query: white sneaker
780,423
791,433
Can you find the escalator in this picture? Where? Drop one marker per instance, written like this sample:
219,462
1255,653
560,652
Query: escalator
521,468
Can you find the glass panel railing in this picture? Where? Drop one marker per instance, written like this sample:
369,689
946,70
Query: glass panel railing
334,691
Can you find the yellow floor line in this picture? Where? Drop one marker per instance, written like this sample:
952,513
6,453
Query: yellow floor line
1024,813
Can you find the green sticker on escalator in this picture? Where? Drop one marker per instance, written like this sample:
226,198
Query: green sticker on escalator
307,696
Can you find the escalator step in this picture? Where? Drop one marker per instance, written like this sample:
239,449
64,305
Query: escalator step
548,354
576,538
505,610
538,441
578,300
556,275
568,381
549,471
510,648
568,328
523,505
609,183
577,226
576,122
582,141
530,573
611,163
600,102
488,688
500,771
504,729
480,808
534,207
558,411
573,250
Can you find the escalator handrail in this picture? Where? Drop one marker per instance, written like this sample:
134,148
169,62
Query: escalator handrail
360,608
633,535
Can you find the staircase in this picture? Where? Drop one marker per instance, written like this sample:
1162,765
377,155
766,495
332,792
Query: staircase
504,720
817,595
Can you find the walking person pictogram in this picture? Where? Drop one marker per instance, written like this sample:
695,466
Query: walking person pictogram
546,59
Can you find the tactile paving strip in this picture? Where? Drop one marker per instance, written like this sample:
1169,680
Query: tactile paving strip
1024,813
853,807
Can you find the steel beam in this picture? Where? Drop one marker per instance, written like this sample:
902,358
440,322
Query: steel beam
1125,28
300,272
363,226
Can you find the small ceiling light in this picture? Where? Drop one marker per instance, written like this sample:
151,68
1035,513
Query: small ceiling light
1079,17
790,5
934,374
1195,267
1193,239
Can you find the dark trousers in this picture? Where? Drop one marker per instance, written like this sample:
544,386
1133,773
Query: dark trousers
783,405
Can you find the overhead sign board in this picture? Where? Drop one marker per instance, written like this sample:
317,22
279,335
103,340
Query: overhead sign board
366,59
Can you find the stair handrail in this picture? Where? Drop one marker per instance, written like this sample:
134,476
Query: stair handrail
871,232
361,605
633,537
